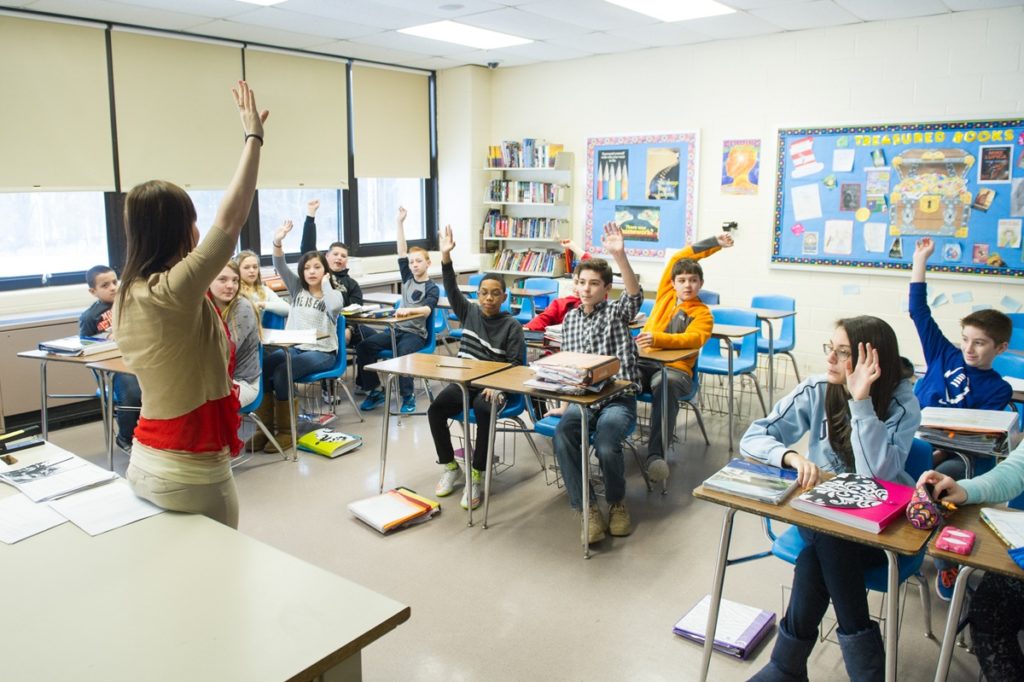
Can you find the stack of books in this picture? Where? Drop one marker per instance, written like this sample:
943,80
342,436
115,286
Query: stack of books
739,629
553,335
78,345
980,432
573,373
394,509
753,480
868,504
530,153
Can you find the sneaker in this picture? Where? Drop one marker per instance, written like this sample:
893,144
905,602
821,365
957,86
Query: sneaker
619,523
374,399
408,404
946,579
476,489
449,479
125,445
359,390
657,469
597,525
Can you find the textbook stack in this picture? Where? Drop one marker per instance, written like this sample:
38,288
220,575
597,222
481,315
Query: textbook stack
394,509
530,153
573,373
524,192
981,432
78,346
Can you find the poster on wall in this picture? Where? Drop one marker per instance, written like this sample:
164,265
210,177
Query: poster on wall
741,166
861,196
648,185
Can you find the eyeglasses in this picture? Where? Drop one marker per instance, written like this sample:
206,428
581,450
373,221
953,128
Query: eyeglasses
843,354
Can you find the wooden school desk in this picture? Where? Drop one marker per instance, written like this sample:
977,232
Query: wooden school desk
389,322
180,597
44,395
382,297
511,381
664,357
106,369
989,554
458,371
727,333
899,538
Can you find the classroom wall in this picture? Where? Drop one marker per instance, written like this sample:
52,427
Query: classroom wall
963,65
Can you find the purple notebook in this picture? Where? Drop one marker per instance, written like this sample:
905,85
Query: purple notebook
740,628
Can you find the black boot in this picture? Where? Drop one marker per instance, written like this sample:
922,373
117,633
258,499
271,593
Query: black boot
789,659
864,654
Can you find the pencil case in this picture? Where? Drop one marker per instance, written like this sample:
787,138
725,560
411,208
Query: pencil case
956,540
923,512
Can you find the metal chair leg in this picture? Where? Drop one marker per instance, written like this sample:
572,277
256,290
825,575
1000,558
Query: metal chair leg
760,396
926,604
352,400
796,370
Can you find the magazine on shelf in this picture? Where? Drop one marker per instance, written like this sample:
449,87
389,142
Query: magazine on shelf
394,509
78,346
58,473
753,480
740,628
868,504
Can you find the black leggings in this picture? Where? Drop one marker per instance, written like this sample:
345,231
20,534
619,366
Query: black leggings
997,615
446,405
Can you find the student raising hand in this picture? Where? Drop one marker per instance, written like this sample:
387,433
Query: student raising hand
312,206
612,239
281,233
446,244
859,379
924,248
725,240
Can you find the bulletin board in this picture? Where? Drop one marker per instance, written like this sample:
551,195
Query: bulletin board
861,196
648,185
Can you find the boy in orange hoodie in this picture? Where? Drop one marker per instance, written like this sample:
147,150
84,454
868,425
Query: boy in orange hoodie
679,320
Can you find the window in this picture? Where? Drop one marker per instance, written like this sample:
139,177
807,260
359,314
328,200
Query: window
278,205
206,202
379,199
45,233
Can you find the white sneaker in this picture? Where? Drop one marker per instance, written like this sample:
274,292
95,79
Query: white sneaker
476,489
449,479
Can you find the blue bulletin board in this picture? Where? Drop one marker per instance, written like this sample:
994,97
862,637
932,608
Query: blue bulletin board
648,185
861,196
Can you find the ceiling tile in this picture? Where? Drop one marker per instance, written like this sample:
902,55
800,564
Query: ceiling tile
433,63
598,43
374,14
797,17
738,25
207,8
117,12
967,5
376,53
524,24
433,7
596,16
484,57
258,34
881,10
401,41
661,35
280,19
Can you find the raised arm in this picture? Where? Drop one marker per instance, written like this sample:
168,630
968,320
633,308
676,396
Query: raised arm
615,245
459,303
403,249
695,251
933,341
309,227
922,252
288,276
234,207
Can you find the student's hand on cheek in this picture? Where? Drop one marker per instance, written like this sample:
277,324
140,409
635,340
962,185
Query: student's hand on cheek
859,380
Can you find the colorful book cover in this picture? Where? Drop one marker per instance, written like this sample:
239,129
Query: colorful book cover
329,443
857,501
753,480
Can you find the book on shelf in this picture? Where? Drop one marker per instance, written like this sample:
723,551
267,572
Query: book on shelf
499,226
868,504
530,153
78,345
1007,524
738,631
525,192
753,480
393,509
984,432
329,443
60,473
527,260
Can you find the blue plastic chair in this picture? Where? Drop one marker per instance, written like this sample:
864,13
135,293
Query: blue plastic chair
789,544
272,320
709,297
249,411
714,360
786,341
1016,319
1017,338
337,371
530,307
1011,365
690,400
646,307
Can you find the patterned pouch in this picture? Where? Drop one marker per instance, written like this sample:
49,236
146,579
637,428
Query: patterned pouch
922,512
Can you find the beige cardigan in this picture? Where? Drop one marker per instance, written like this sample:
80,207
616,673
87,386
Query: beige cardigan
171,336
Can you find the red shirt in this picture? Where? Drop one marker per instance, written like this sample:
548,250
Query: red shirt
554,313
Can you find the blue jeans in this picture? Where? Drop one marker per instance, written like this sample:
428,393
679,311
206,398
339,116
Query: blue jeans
304,362
830,568
369,349
127,393
608,427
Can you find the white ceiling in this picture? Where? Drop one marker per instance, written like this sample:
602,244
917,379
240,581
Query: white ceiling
562,29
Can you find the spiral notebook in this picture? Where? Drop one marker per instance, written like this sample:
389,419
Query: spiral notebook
739,630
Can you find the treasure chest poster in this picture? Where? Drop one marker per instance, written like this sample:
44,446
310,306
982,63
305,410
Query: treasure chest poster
862,195
648,185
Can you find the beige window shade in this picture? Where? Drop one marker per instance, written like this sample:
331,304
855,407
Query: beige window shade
54,107
176,119
392,125
307,143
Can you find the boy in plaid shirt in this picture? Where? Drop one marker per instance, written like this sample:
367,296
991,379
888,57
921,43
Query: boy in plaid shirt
601,327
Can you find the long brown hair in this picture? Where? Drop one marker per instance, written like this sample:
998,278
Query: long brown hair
254,290
864,329
226,313
158,220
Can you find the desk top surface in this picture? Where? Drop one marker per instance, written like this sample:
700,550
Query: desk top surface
512,380
989,551
762,313
115,365
899,536
532,293
77,359
732,330
438,367
666,355
381,297
393,319
178,597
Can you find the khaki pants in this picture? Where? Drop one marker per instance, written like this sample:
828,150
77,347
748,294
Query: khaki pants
218,501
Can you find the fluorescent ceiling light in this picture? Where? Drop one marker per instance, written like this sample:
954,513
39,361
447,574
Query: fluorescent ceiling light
462,34
262,3
675,10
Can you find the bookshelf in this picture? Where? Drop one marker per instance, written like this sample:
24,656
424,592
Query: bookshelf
529,202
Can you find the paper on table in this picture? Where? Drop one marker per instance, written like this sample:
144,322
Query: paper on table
98,510
56,473
842,160
806,202
275,336
874,237
21,518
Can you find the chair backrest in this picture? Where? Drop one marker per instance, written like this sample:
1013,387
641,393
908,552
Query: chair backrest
474,281
252,407
1017,339
337,370
709,297
506,305
738,317
272,320
920,458
788,334
647,306
440,320
1017,319
543,284
1009,365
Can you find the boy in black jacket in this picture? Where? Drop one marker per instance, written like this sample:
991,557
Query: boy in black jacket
488,334
336,255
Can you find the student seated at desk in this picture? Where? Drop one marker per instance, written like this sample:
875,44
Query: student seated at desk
996,611
956,377
419,295
601,327
252,287
96,321
337,264
315,305
490,334
557,309
860,416
240,319
679,320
